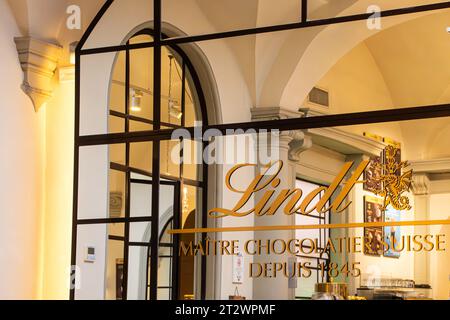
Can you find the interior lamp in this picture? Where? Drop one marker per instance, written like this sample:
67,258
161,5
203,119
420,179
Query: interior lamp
174,110
136,100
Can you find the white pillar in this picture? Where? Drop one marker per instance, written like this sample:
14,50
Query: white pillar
421,187
288,147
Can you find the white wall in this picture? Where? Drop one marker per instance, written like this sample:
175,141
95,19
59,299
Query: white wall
21,173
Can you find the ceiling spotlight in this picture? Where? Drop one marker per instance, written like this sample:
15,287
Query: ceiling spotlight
136,100
174,110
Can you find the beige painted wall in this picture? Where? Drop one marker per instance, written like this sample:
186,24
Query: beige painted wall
21,165
58,191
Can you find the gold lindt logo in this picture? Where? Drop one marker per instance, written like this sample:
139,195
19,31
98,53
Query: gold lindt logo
394,181
268,181
394,185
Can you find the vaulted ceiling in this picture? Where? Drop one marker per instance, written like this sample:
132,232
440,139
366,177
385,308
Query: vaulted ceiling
274,65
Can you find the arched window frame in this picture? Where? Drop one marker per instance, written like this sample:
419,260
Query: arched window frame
178,182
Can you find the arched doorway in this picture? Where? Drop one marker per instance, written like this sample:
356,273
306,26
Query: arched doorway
125,174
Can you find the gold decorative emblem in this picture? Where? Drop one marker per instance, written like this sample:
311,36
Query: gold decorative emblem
395,182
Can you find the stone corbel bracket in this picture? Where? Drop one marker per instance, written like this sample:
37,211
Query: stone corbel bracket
420,184
39,60
300,143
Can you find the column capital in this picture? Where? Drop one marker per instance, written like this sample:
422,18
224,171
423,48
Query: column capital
39,60
420,184
295,141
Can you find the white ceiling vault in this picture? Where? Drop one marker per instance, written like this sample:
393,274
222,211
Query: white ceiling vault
274,65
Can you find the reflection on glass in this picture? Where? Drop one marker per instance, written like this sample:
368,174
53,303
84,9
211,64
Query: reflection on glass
138,273
140,200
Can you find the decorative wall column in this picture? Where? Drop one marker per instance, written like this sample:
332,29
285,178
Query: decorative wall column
38,60
288,148
421,190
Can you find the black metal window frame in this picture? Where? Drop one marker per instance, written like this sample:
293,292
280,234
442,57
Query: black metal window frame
176,182
157,134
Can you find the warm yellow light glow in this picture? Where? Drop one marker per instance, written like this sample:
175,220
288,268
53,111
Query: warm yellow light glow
72,58
56,231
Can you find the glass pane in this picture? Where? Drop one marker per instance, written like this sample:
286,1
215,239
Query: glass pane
141,83
117,189
93,184
91,261
140,232
245,14
164,269
166,202
114,262
169,159
192,102
164,294
116,124
140,126
95,73
192,160
117,95
171,87
306,286
308,261
302,220
138,271
102,35
166,253
141,156
140,200
117,154
190,206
